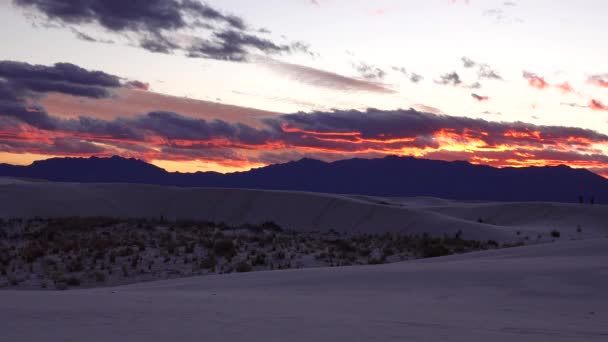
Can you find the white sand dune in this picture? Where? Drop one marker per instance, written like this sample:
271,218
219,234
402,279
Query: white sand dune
304,211
553,292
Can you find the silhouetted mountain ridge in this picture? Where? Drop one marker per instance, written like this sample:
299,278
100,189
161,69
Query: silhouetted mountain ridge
389,176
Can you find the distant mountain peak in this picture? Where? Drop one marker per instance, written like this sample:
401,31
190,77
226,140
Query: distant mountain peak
388,176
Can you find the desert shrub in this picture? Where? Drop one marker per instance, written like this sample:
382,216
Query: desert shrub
75,265
208,263
492,243
190,248
99,276
125,271
279,255
365,252
388,251
259,260
243,267
32,251
555,233
344,246
72,281
434,250
224,248
376,261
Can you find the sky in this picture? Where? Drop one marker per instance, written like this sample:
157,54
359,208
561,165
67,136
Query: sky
231,85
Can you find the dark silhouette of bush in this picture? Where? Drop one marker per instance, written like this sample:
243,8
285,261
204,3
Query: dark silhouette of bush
32,251
344,246
434,250
243,267
208,263
555,234
100,277
376,261
224,248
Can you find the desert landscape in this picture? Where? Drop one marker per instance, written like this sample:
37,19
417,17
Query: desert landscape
303,170
218,265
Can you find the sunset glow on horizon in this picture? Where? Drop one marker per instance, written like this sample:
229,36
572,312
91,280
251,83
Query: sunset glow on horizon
227,86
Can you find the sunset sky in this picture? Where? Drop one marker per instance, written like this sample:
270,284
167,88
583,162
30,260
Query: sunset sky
234,84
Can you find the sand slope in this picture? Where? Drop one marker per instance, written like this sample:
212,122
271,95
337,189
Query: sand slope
305,211
292,210
553,292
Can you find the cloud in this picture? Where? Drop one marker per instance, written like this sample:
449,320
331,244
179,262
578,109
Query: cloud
171,136
151,16
331,134
60,72
156,23
600,80
597,105
324,79
484,71
539,82
535,81
479,98
574,105
451,78
138,85
232,45
565,87
502,16
468,63
475,85
22,82
370,72
413,77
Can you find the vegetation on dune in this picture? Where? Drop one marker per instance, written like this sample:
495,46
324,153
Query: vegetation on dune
64,253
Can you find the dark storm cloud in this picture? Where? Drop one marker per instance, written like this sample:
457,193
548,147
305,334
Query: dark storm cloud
64,72
155,22
233,46
411,123
137,16
21,81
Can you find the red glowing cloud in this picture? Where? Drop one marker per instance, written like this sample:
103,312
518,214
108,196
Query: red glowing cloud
565,87
597,105
535,81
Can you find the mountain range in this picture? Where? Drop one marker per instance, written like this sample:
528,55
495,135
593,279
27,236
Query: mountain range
388,176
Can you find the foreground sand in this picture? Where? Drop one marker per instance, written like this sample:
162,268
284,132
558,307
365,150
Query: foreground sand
552,292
